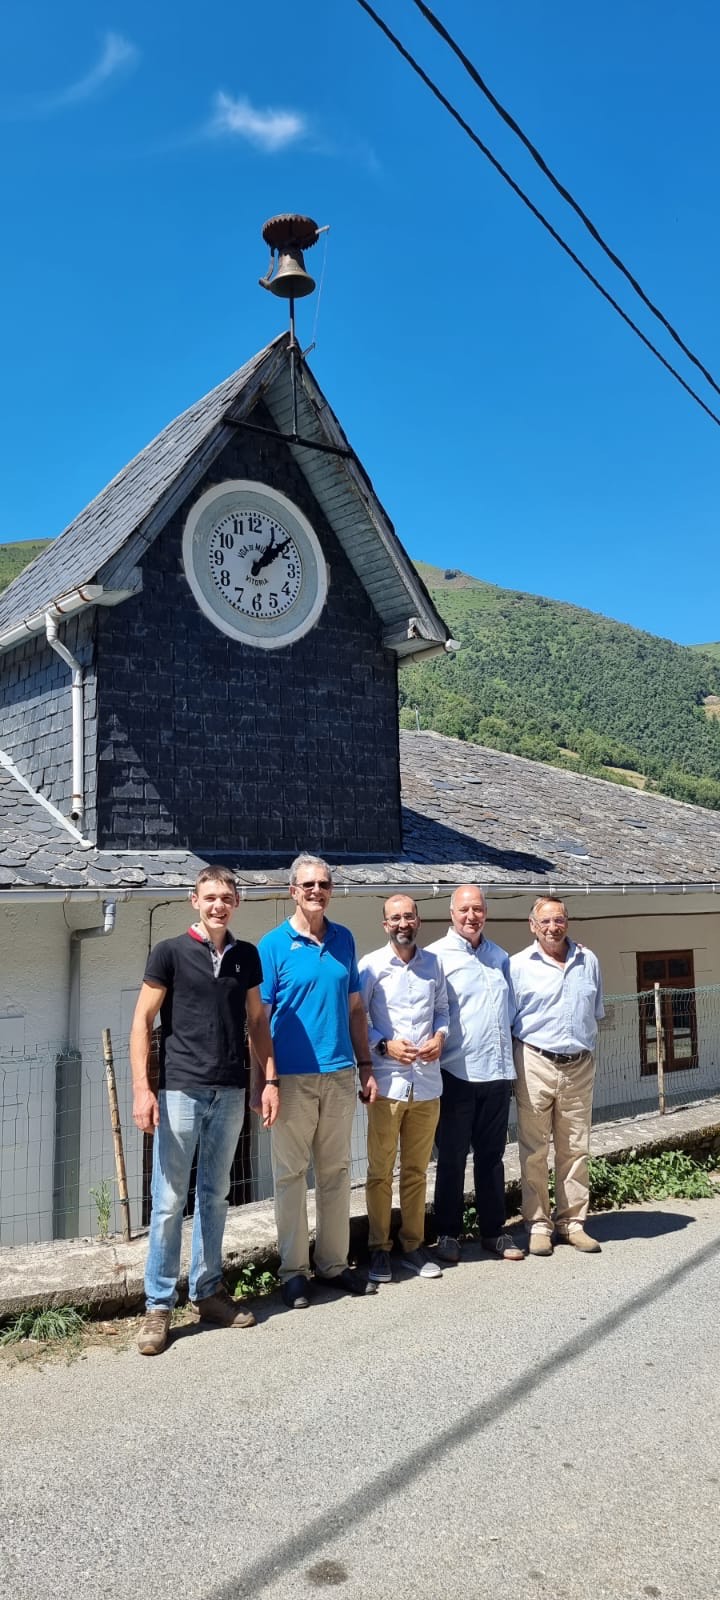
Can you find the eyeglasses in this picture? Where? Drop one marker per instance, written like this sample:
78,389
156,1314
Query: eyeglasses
314,883
394,922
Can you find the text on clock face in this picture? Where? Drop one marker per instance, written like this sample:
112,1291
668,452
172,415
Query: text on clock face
255,564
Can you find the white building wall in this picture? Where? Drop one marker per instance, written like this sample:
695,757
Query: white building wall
34,967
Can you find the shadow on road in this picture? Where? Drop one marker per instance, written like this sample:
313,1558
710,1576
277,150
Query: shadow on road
289,1553
610,1225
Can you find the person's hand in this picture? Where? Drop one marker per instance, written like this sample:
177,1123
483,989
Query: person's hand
368,1085
403,1051
270,1103
431,1050
146,1111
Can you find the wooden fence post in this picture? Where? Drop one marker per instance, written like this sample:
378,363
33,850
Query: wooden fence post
117,1132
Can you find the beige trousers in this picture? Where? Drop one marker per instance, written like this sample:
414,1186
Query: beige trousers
314,1123
413,1124
553,1101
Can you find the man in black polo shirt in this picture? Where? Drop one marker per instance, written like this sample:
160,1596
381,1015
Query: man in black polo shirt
204,984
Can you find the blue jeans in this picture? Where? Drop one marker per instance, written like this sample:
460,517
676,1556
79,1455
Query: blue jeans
210,1121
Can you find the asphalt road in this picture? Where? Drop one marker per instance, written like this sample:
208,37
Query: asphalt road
547,1429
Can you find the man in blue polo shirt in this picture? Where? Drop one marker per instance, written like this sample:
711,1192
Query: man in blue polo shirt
204,984
311,990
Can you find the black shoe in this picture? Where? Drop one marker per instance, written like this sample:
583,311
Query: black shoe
349,1281
296,1292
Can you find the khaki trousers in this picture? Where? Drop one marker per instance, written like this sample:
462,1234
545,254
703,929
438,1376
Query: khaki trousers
553,1101
412,1123
314,1123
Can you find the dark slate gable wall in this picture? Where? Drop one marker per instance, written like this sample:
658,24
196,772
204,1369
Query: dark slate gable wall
36,716
209,744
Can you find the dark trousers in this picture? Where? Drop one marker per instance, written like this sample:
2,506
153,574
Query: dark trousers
471,1115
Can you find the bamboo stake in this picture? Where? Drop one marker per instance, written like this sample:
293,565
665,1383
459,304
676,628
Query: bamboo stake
116,1132
660,1049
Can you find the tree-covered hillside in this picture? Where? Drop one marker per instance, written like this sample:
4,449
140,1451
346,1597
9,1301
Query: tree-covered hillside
13,557
558,684
549,681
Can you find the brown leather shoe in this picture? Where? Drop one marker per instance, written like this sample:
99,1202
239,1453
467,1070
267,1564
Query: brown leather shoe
153,1335
580,1240
540,1244
220,1309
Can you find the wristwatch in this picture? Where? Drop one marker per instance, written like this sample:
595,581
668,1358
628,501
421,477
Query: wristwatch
381,1047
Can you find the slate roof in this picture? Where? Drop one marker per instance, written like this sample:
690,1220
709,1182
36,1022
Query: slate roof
468,814
76,556
104,543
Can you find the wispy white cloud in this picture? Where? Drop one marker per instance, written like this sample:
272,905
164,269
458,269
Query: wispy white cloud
117,55
268,129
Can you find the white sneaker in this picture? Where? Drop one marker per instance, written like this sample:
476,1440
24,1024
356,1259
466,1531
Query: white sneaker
419,1262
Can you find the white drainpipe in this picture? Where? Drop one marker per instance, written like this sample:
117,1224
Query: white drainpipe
77,807
77,938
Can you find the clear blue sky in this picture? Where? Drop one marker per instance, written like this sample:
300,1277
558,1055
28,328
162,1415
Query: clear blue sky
512,425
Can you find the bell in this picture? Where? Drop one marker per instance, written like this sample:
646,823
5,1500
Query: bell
291,281
288,236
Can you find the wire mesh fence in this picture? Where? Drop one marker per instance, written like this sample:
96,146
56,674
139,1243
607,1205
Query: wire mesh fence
57,1160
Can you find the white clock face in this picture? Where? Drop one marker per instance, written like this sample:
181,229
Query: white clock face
254,564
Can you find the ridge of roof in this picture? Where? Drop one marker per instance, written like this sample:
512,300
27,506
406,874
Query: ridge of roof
100,530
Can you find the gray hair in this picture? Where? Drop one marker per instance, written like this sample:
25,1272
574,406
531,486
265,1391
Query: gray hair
462,886
306,859
550,900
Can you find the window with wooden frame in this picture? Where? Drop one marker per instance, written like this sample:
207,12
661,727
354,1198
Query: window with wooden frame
674,971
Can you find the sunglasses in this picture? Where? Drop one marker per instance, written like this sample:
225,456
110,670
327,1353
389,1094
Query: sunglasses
315,883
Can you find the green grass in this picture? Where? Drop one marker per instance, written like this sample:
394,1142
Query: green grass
46,1327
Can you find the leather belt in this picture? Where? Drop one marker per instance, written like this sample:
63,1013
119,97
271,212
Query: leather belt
556,1057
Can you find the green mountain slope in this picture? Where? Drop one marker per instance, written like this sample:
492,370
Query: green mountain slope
13,557
550,681
558,684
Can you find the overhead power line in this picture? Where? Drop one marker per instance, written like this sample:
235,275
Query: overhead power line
561,189
455,114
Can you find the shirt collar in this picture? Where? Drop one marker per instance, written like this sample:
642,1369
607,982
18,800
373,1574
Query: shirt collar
460,943
397,960
294,933
202,938
573,951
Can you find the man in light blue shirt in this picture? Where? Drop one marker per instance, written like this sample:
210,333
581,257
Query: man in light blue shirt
559,1002
404,993
478,1075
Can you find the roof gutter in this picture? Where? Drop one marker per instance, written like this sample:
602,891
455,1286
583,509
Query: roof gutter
28,895
66,605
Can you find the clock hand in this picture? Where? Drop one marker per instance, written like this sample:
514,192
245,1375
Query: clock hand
268,554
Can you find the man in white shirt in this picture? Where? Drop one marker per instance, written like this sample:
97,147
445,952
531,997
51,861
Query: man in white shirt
559,1002
478,1075
404,994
